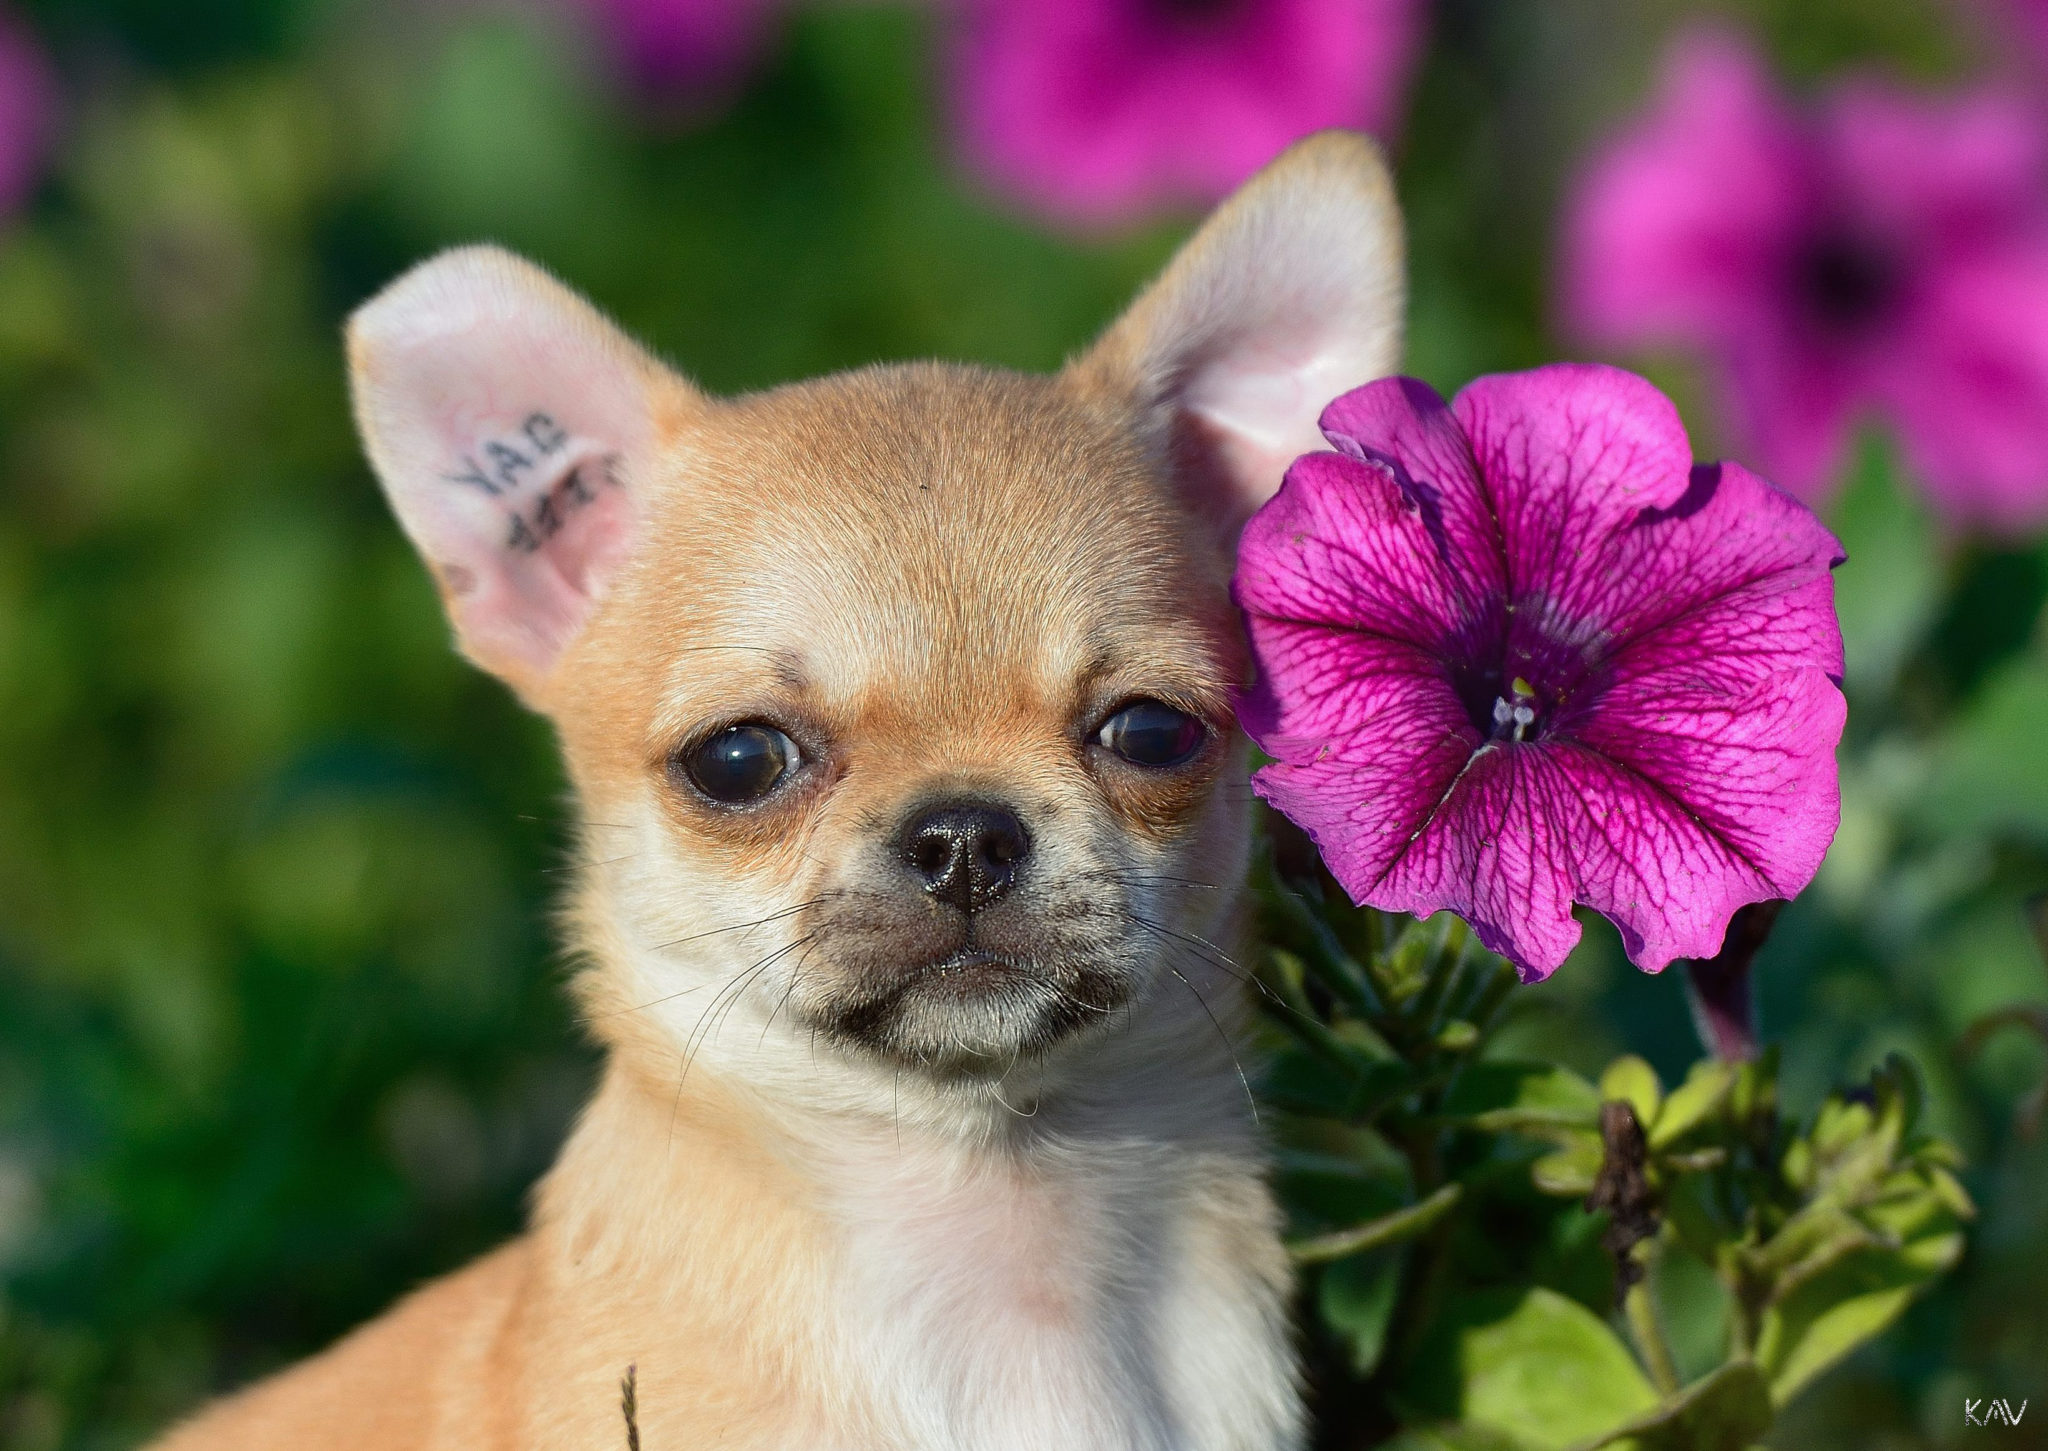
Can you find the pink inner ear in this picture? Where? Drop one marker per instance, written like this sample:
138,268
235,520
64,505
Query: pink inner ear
508,422
1257,407
530,560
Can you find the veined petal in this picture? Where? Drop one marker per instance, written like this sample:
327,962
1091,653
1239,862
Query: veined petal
1753,769
1490,851
1406,431
1737,571
1531,829
1342,545
1368,737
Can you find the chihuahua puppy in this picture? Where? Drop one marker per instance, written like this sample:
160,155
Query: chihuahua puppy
913,818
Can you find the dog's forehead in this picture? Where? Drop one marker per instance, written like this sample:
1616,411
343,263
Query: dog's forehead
924,523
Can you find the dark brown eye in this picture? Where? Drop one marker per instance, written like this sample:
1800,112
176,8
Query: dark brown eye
1152,733
742,763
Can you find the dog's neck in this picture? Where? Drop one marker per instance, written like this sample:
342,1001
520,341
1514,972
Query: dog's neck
995,1265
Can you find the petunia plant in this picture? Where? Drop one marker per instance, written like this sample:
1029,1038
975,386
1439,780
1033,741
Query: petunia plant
1517,652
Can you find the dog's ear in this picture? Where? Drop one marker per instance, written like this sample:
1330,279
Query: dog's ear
511,425
1290,294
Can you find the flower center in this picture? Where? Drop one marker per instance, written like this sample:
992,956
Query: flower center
1524,671
1844,282
1514,712
1504,710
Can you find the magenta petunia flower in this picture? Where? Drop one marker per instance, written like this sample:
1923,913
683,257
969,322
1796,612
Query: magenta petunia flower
1097,110
680,47
28,103
1877,255
1518,651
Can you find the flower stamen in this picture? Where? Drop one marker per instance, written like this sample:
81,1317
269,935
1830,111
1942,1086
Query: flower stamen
1518,716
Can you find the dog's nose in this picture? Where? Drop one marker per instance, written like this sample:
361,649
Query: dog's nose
966,854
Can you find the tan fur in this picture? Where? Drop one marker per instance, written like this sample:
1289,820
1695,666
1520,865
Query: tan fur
942,575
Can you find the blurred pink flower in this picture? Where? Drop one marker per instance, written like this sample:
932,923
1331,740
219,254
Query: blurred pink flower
1518,651
2030,19
1879,254
1095,111
28,104
676,47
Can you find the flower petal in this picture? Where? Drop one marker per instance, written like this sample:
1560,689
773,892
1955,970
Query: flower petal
1728,700
1675,233
1928,171
1741,574
1405,430
28,105
1795,404
1748,779
1492,852
1368,737
1341,545
1572,455
1097,110
1528,830
1969,388
1665,633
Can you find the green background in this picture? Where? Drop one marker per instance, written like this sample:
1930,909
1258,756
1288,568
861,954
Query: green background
280,1024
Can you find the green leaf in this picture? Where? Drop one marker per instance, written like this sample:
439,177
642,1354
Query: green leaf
1549,1373
1950,1191
1991,773
1570,1170
1635,1083
1886,591
1507,1096
1322,1083
1356,1299
1457,1036
1329,1187
1724,1411
1851,1301
1705,1089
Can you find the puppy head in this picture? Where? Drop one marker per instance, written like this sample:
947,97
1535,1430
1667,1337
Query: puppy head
898,702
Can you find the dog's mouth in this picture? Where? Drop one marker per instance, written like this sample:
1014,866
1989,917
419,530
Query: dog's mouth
976,1008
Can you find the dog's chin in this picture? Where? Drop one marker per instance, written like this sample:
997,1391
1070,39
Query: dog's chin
974,1013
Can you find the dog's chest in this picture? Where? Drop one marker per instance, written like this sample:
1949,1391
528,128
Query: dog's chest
995,1308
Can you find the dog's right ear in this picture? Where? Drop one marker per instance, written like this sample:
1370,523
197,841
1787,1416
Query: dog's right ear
511,426
1289,294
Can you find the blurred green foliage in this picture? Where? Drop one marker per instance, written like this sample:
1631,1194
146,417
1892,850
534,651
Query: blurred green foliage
280,1028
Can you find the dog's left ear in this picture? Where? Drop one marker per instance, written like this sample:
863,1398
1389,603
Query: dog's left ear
512,427
1290,294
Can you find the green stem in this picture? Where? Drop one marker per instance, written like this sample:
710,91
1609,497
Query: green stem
1421,1276
1376,1233
1648,1331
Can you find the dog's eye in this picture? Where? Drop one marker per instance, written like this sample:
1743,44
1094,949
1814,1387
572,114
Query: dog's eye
741,763
1152,733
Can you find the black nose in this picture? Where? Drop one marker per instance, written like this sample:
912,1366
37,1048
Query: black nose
966,854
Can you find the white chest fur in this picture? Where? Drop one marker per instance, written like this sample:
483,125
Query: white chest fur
1120,1296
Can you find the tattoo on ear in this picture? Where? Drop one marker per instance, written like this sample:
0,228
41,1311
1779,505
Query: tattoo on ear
507,456
574,492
